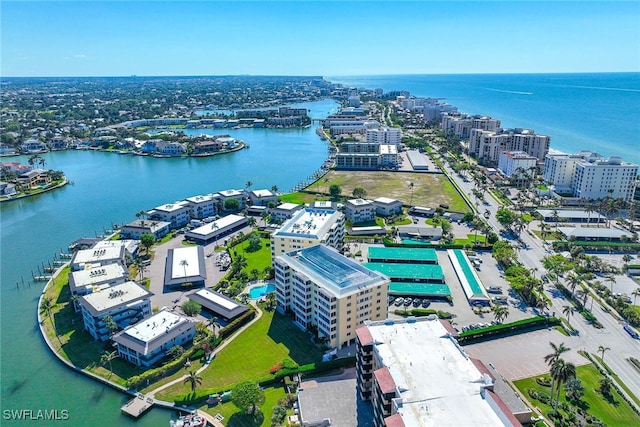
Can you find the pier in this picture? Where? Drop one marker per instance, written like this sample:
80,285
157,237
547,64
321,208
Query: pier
138,405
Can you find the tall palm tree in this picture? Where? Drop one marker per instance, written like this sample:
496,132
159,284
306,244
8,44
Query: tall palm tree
602,350
411,185
107,357
561,371
552,357
611,279
567,310
46,306
249,184
574,280
193,379
184,263
139,263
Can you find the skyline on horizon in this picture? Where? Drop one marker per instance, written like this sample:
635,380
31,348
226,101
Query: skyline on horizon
354,38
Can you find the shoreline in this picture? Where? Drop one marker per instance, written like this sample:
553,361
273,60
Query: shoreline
45,190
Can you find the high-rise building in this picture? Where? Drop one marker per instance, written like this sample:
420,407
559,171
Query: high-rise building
309,227
486,145
330,292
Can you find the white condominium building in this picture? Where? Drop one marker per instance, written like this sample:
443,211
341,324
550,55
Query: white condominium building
487,145
511,161
384,135
329,291
589,175
149,340
177,213
415,374
309,227
462,123
126,303
360,210
201,207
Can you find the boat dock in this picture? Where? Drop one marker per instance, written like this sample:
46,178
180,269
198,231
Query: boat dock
138,405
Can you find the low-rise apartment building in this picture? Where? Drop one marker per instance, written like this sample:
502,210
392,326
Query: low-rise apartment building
387,207
239,195
201,207
148,341
309,227
284,211
90,258
177,213
329,291
126,303
360,210
138,227
263,197
97,278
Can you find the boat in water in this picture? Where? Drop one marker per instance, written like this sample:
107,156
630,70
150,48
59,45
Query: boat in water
189,420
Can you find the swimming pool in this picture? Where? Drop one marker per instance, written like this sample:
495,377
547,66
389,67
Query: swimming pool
260,291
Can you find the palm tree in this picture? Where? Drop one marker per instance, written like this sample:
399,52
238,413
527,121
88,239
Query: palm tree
605,386
574,280
139,263
110,324
193,379
611,279
561,372
552,357
411,185
214,227
249,184
274,188
46,306
567,310
326,182
636,294
500,312
602,350
542,305
107,357
184,264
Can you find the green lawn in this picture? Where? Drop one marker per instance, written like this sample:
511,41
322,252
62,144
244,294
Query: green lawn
428,189
250,356
258,259
616,412
233,418
471,238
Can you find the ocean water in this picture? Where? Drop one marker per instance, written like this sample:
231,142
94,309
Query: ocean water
598,112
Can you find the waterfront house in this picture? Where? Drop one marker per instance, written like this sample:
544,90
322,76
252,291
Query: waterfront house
33,146
185,267
7,189
148,341
7,151
126,303
34,178
207,146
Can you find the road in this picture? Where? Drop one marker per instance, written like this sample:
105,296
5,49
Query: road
613,336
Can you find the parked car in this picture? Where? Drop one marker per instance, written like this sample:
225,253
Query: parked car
408,301
398,302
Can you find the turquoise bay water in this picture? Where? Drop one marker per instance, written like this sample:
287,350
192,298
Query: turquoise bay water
597,112
260,291
110,188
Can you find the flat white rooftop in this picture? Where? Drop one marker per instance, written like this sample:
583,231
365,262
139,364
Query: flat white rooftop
97,275
217,226
171,207
359,202
217,299
180,269
263,193
99,255
231,193
152,327
115,296
288,206
200,199
439,384
386,200
309,223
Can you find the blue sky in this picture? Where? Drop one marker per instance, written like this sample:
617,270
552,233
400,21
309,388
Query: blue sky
121,38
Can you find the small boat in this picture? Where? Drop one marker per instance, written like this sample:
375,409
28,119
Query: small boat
189,420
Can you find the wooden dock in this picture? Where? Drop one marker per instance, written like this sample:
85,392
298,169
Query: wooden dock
138,405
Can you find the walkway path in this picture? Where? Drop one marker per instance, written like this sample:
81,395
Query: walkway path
226,342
